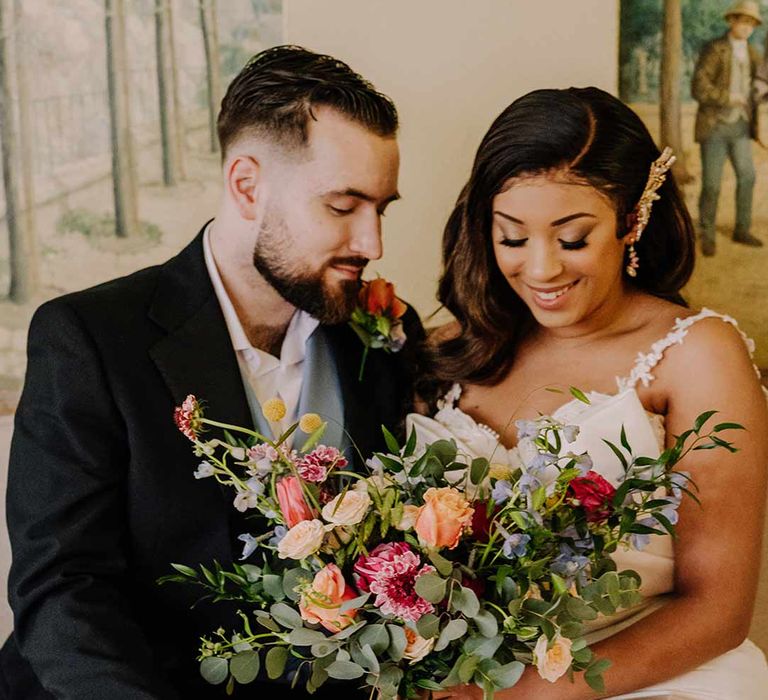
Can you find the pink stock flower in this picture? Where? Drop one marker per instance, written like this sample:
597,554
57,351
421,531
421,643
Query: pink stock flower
322,601
291,499
188,417
390,571
262,456
316,465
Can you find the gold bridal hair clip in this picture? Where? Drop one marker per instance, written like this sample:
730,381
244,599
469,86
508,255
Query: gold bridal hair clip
656,177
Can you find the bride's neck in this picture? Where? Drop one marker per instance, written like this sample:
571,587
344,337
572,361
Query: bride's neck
617,315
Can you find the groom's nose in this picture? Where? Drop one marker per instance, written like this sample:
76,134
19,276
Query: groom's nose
365,237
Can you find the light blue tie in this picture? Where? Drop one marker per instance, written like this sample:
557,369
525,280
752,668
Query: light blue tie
321,390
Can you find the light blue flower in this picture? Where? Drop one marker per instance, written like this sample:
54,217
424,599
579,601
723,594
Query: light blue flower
526,429
583,462
279,532
579,544
640,541
570,432
542,461
679,480
570,566
250,546
502,491
528,483
253,484
515,544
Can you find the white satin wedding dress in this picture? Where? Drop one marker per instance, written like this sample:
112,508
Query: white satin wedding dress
740,674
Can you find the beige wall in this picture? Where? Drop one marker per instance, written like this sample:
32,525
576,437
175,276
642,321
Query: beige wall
451,66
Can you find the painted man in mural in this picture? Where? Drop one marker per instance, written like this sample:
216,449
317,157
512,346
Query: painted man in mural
101,494
726,121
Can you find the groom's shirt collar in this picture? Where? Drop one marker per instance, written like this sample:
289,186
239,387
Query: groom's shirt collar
267,376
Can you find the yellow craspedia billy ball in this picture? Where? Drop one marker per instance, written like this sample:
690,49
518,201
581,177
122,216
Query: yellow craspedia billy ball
274,409
310,422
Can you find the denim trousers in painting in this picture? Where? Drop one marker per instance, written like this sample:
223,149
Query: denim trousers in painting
730,141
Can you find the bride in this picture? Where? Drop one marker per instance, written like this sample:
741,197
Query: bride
559,274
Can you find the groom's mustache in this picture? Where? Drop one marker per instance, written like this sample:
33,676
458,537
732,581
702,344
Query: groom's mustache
349,262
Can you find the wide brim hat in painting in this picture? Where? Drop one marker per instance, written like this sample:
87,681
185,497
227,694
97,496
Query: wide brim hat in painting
748,8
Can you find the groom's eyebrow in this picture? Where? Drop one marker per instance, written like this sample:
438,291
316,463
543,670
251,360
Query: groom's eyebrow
359,194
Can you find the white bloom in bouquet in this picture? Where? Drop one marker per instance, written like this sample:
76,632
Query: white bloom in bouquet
302,540
554,661
416,647
348,508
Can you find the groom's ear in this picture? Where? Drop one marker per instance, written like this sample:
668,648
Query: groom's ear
244,177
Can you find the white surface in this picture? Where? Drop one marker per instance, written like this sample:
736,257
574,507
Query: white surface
451,66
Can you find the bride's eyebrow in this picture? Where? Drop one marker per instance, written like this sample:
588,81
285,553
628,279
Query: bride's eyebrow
556,222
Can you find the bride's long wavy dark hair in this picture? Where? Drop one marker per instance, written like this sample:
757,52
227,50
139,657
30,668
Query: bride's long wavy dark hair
590,136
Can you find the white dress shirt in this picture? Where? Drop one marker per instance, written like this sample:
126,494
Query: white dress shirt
267,375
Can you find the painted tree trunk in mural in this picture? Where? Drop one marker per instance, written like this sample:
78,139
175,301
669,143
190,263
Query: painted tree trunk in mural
165,95
211,46
22,283
26,154
123,171
671,75
178,119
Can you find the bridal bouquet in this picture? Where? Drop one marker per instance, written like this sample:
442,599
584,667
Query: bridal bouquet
428,569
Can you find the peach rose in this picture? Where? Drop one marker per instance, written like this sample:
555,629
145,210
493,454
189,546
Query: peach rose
302,540
291,499
322,602
410,513
348,508
416,647
554,661
443,517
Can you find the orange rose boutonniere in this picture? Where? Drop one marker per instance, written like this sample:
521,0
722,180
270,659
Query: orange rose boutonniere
376,319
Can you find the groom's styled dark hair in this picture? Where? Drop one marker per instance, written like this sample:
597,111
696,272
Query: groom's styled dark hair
273,96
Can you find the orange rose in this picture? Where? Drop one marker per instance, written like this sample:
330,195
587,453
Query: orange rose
377,297
291,499
322,602
442,518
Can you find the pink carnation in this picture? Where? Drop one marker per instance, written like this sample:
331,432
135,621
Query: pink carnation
390,571
187,417
316,465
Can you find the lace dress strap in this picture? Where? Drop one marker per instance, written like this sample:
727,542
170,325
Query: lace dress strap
645,362
451,397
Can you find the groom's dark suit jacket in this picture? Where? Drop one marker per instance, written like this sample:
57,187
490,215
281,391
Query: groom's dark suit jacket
101,494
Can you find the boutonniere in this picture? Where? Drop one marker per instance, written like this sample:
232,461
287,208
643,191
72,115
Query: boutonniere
376,318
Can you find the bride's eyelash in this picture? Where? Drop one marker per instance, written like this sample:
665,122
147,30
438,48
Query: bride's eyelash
513,242
574,245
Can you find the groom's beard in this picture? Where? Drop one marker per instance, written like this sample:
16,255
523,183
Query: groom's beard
305,289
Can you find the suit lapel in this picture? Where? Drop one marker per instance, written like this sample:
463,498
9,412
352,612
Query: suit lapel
196,355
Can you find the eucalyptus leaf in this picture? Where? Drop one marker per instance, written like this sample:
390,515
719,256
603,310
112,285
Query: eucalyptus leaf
483,647
371,659
214,670
397,642
443,565
286,616
345,670
479,470
376,636
580,610
464,600
322,649
431,587
486,623
293,579
273,586
275,662
428,626
354,603
245,666
507,675
455,629
303,637
467,668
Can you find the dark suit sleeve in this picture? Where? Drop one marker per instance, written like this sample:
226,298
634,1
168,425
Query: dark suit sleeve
66,510
707,85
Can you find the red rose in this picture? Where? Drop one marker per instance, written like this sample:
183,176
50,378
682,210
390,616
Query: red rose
594,494
377,297
475,584
481,524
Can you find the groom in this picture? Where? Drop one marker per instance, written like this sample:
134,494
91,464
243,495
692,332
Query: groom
101,494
